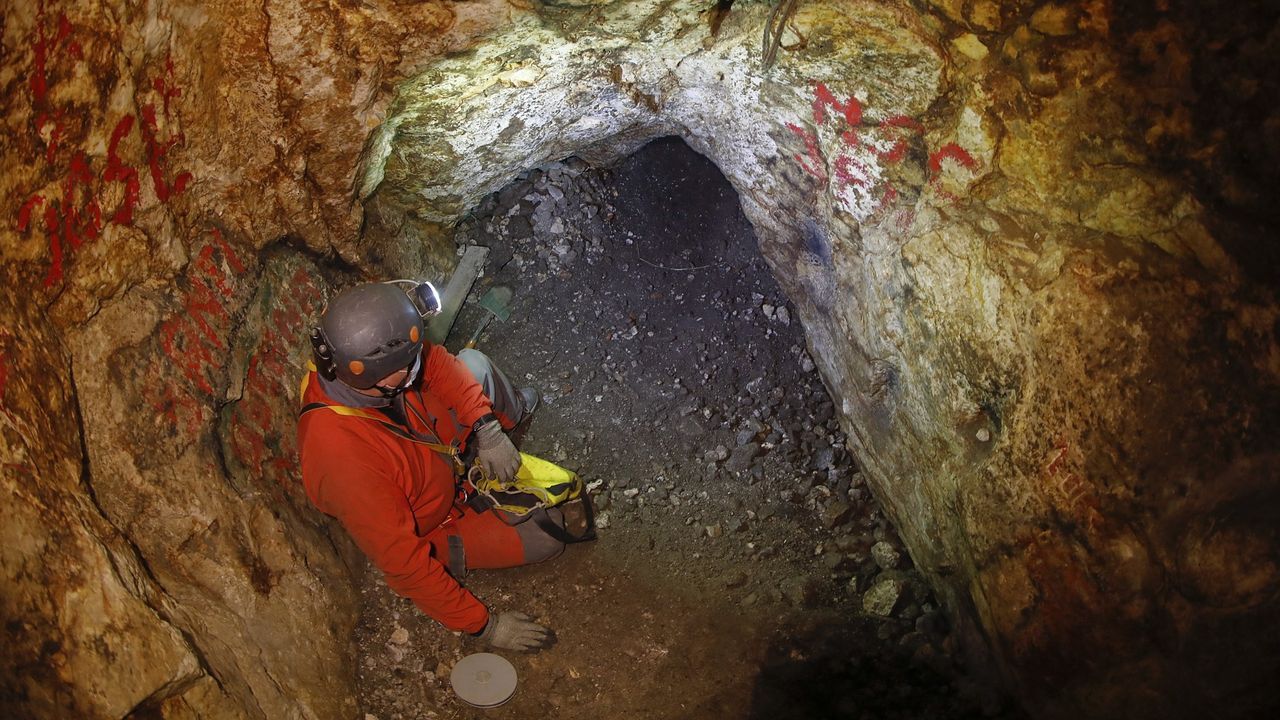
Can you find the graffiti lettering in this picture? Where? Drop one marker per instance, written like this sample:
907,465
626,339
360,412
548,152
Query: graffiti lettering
859,182
117,171
77,216
42,45
156,147
192,339
814,164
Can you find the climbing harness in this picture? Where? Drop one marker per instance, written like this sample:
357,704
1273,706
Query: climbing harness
451,453
537,486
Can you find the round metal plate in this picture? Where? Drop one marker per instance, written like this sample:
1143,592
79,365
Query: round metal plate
483,680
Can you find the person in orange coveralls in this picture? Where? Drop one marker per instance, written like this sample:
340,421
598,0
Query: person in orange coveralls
387,419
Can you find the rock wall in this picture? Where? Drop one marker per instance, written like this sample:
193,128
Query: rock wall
1022,239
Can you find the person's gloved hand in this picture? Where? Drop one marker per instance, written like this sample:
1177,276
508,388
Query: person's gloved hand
495,451
515,631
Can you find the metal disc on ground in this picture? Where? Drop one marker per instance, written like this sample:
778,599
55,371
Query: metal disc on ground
483,680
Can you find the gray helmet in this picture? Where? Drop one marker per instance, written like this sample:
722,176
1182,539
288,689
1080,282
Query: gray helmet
367,333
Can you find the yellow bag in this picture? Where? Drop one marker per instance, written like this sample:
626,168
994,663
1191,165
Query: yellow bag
538,485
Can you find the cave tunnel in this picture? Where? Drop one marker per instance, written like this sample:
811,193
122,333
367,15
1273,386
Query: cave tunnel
919,358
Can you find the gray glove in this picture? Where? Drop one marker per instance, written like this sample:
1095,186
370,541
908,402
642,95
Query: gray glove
515,631
495,451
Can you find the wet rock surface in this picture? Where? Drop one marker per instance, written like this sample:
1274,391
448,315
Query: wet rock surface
738,538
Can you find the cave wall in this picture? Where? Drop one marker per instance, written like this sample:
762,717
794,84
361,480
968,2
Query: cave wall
170,172
1052,339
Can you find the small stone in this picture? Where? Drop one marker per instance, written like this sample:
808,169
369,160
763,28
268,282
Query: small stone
886,556
823,458
834,561
717,454
970,46
801,592
985,14
1055,20
883,597
735,580
913,640
714,531
400,636
783,316
740,459
835,514
983,435
931,622
519,228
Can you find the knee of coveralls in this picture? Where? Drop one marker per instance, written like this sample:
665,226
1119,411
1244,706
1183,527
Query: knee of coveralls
506,400
490,543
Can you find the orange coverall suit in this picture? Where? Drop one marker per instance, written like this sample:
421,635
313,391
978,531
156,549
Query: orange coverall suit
396,497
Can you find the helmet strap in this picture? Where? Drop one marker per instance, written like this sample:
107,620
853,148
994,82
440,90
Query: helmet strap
409,378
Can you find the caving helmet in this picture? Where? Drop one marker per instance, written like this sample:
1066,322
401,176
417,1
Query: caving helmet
370,331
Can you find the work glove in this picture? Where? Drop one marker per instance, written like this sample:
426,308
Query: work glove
515,631
495,452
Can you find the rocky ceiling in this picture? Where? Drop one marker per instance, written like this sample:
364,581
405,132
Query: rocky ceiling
1027,242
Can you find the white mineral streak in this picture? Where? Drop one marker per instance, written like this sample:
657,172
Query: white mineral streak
581,92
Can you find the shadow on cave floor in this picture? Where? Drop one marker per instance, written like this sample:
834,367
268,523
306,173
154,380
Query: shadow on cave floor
737,535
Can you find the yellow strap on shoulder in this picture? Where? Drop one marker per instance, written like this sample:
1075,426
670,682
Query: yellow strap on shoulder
448,450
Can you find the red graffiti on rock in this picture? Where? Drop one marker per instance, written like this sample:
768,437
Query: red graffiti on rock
863,153
262,436
193,340
158,147
1070,492
117,172
76,214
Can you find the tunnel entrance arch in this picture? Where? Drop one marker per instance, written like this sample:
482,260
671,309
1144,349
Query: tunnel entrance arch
743,560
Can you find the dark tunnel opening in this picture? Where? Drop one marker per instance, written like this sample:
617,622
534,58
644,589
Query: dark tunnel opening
744,569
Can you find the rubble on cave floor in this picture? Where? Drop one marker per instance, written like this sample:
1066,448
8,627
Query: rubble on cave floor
743,568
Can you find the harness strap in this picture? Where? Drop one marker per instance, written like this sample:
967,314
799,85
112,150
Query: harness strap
449,452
